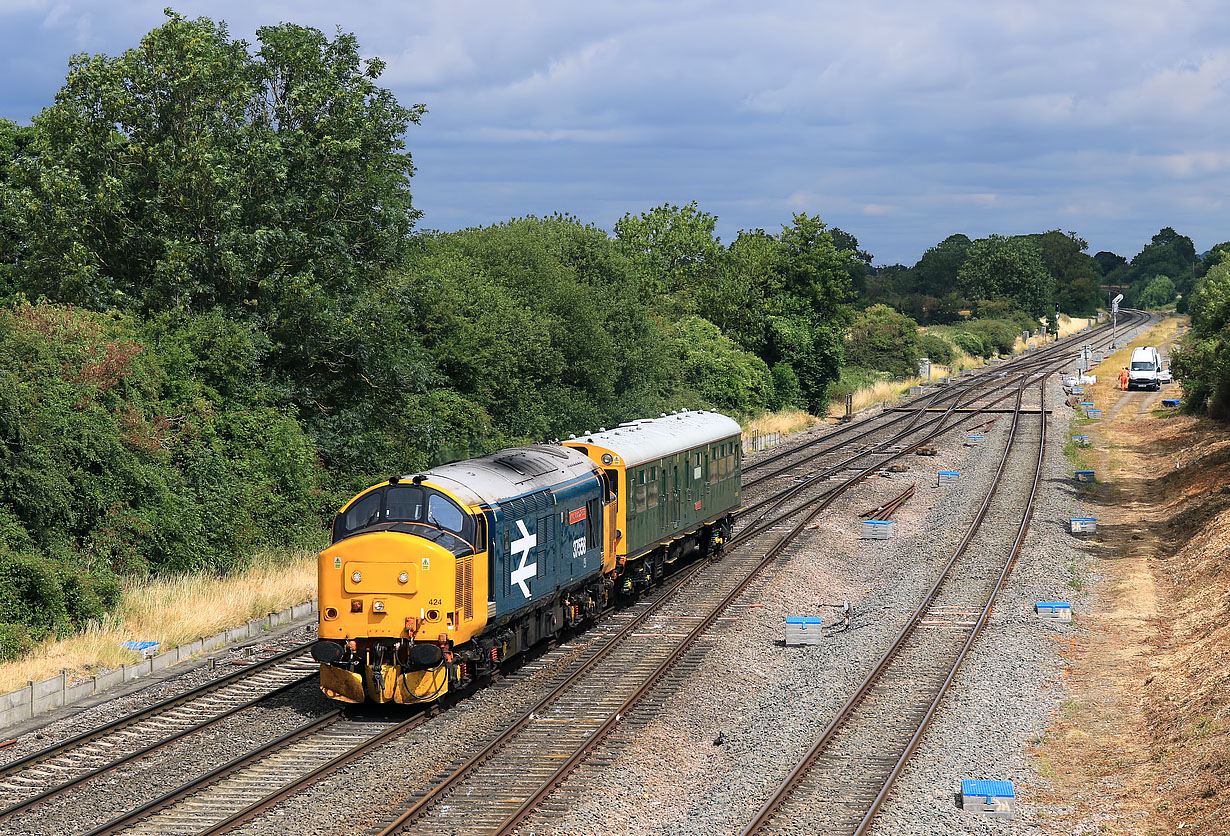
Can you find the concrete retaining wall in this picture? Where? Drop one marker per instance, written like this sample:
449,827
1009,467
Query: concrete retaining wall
55,692
761,442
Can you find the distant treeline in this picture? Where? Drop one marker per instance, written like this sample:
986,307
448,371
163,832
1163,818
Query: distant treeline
219,319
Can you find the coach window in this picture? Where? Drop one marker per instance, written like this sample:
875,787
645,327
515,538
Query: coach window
653,487
641,493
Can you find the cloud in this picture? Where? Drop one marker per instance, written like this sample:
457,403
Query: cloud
900,122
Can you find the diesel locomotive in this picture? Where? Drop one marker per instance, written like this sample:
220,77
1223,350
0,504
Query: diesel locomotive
435,579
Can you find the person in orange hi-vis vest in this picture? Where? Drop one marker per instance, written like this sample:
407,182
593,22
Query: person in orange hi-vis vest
1123,378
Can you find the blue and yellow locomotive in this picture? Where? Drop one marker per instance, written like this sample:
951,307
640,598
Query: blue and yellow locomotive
435,579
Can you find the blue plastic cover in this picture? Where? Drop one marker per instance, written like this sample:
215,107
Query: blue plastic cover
950,473
1053,605
140,645
1084,471
992,789
1084,519
878,522
804,619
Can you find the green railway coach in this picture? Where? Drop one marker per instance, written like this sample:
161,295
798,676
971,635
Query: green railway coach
673,482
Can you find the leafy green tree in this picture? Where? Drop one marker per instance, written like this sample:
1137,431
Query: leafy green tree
714,369
1108,261
809,316
1076,274
1012,267
674,252
1202,360
192,172
859,264
1158,292
1167,254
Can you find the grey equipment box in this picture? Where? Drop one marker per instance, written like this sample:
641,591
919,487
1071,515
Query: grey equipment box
804,629
1054,610
876,530
989,798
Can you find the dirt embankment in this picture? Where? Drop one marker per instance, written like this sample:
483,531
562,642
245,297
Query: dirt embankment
1143,743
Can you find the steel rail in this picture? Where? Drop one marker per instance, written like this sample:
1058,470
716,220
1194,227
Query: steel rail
797,775
149,711
1042,356
61,789
548,785
878,801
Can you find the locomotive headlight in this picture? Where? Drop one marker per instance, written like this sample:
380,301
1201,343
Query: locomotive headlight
606,458
403,578
377,606
356,577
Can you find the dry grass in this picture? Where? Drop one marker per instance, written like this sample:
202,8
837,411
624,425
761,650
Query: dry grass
785,422
886,391
1068,325
882,391
172,611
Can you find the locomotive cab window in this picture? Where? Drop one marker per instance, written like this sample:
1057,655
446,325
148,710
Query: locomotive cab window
405,504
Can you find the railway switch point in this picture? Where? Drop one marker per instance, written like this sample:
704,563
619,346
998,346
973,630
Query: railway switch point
1054,610
948,477
1084,525
876,530
989,798
804,629
1084,475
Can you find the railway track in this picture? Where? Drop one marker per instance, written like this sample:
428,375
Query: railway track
55,770
240,790
498,787
766,468
840,783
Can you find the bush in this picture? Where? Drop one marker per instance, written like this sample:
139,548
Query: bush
936,349
787,393
15,640
884,340
971,344
997,335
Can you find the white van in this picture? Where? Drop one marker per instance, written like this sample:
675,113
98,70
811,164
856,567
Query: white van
1145,369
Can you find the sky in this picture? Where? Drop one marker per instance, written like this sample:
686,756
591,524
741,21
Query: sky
900,122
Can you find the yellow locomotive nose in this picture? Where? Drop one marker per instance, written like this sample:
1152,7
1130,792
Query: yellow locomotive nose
392,606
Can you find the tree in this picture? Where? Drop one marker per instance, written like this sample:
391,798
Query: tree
191,172
1158,292
1012,267
860,262
1076,274
1108,261
1167,254
809,315
936,272
1202,360
674,252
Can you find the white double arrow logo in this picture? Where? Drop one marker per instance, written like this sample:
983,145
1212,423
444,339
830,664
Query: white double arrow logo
522,546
